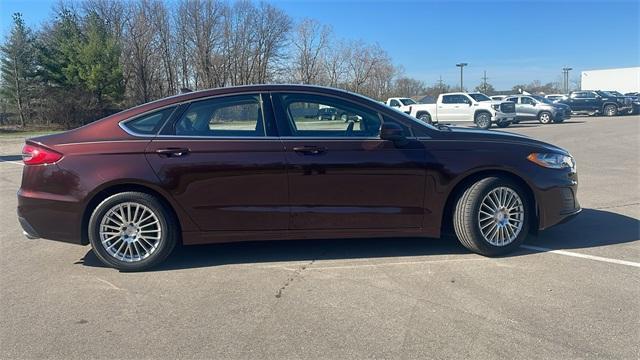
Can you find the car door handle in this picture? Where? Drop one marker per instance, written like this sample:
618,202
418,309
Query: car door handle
310,150
173,152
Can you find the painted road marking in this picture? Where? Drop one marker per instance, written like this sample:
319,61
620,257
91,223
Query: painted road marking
12,162
583,256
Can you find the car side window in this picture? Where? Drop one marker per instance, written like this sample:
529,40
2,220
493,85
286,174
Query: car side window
448,99
325,116
527,101
512,99
149,124
395,103
232,116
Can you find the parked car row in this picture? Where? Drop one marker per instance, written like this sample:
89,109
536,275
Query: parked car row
599,102
459,107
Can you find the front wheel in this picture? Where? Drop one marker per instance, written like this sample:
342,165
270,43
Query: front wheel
426,118
492,216
483,120
610,110
132,231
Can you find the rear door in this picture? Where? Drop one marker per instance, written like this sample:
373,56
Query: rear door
454,107
223,163
341,174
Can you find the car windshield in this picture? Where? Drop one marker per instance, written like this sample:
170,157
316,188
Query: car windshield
615,93
480,97
542,99
407,102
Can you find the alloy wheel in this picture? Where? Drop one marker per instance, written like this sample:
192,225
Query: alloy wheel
130,232
501,216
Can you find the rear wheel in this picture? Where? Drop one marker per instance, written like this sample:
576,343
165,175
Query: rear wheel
611,110
132,231
492,216
545,117
483,120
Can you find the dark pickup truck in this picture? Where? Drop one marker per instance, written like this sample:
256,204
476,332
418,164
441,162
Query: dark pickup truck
597,102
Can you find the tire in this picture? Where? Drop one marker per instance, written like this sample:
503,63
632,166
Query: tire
610,110
478,234
483,120
153,248
545,117
503,124
558,121
426,118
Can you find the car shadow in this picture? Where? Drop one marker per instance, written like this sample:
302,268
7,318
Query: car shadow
592,228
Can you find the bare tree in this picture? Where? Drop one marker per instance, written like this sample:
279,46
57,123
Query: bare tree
311,40
335,64
408,87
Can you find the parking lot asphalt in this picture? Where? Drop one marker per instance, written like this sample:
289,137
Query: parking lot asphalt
570,292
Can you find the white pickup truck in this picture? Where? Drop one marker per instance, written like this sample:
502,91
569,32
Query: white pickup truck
455,107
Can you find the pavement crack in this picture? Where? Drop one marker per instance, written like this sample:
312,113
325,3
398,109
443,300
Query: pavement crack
616,206
294,276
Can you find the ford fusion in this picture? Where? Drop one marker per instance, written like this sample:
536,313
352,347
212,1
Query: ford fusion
264,163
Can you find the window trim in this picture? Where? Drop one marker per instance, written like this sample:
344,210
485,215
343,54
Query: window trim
173,121
123,123
280,107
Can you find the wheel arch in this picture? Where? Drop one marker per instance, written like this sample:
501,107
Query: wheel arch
468,179
114,188
478,111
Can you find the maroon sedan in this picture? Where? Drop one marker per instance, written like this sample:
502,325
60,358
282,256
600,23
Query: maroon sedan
260,163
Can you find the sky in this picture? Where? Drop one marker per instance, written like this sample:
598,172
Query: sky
515,42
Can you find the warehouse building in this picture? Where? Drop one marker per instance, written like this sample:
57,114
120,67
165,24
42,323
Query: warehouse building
624,80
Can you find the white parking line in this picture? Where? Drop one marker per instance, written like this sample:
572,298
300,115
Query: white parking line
12,162
584,256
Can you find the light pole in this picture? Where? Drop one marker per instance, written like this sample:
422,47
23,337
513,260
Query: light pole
565,72
461,66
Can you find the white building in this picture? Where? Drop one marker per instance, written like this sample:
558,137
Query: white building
623,80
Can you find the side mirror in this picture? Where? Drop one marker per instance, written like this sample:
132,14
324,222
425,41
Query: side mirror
392,132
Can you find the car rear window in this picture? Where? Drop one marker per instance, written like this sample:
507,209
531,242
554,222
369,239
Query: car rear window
148,124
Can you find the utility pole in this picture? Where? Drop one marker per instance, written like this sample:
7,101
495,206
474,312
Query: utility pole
440,85
565,73
484,82
461,66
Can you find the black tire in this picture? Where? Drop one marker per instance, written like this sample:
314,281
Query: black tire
426,118
545,117
167,225
483,120
466,221
610,110
558,121
503,124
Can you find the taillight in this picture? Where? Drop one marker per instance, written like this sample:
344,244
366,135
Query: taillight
38,155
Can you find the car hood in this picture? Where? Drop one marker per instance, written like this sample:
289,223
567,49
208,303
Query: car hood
467,134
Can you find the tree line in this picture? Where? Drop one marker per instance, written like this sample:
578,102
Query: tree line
96,57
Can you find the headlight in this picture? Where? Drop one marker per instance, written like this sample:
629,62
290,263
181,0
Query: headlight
496,107
553,161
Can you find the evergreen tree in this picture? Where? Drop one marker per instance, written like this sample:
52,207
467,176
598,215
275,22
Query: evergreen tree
18,67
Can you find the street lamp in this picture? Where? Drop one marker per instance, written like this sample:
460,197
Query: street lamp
565,72
461,66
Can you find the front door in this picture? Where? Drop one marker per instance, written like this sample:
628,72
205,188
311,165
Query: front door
222,164
341,174
527,108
